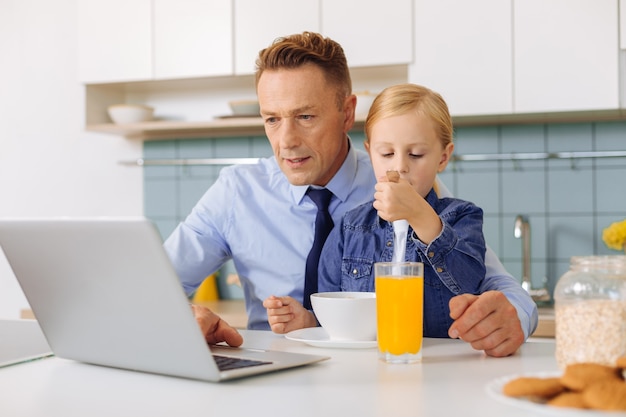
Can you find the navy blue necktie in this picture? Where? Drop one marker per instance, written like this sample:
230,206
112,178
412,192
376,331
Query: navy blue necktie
323,226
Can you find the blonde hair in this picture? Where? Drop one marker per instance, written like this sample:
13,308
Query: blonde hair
403,98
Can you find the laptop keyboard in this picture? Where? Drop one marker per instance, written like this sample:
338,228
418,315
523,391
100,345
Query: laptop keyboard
225,363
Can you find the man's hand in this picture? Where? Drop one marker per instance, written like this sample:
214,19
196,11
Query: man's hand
214,329
285,314
488,322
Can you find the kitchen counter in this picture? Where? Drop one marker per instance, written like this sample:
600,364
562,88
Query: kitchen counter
234,312
451,380
546,325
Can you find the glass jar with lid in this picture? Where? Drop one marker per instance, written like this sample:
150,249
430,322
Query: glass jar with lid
590,311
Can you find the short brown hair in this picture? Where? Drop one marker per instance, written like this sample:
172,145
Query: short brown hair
402,98
297,50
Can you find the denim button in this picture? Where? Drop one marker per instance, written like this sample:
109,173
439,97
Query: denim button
439,269
389,243
431,254
356,268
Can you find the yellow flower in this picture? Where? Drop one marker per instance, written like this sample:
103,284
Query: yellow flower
614,236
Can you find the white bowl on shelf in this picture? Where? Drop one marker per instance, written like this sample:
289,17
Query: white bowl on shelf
130,113
245,107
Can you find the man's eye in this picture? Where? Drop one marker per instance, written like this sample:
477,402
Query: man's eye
305,117
270,120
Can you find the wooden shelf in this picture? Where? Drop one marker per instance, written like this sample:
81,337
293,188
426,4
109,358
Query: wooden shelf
189,107
252,126
181,129
162,130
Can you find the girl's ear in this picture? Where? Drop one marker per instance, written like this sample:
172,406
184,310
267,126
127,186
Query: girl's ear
445,157
366,143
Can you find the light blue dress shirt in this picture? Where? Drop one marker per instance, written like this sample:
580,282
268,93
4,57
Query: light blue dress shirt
255,217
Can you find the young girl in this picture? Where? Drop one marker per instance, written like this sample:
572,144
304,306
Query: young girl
409,131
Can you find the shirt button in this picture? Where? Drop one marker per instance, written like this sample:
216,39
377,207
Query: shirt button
439,269
431,254
389,243
355,271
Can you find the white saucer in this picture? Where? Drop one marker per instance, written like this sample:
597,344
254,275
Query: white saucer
317,336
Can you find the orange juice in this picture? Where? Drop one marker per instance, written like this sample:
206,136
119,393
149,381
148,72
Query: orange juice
399,309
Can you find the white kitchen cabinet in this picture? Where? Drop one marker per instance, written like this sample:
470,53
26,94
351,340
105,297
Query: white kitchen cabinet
493,61
115,40
258,23
622,24
192,38
566,55
463,50
372,33
154,39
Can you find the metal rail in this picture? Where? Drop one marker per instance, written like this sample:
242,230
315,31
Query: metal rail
187,161
513,156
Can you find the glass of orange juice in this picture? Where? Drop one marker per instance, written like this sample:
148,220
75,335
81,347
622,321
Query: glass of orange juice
399,310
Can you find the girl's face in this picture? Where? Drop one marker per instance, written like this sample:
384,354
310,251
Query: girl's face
408,143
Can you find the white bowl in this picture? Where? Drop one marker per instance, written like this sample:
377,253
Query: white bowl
346,315
364,101
245,107
130,113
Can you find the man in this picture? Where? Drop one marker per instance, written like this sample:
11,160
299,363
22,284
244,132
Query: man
214,328
261,216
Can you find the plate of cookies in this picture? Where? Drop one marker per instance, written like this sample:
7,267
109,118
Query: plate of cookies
582,389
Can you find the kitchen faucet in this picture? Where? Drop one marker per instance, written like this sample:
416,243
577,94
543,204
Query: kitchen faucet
522,231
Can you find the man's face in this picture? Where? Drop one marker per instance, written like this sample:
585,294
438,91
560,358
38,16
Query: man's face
303,123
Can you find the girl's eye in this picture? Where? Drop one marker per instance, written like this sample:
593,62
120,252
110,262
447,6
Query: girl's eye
414,155
387,155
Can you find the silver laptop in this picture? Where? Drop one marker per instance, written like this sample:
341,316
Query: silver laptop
104,292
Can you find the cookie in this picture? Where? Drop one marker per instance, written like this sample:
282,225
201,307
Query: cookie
609,395
578,376
533,387
569,399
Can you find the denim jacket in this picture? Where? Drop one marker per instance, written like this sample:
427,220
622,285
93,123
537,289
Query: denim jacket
454,262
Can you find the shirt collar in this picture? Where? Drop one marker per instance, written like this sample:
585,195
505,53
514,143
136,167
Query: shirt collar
431,197
341,183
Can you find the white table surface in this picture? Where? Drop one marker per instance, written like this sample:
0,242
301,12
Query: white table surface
450,381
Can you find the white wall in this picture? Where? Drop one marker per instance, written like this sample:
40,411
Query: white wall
48,165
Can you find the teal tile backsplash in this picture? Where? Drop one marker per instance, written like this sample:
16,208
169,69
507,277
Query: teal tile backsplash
568,202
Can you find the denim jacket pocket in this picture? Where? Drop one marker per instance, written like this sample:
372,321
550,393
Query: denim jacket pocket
356,275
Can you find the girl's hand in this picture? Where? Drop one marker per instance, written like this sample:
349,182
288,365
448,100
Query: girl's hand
396,199
285,314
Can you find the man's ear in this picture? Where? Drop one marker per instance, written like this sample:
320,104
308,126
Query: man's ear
349,108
